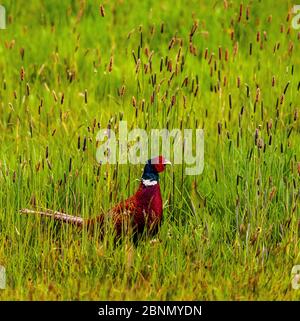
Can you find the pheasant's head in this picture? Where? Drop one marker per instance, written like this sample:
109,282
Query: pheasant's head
152,168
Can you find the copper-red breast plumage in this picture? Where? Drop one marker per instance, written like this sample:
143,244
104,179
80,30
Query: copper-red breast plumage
142,211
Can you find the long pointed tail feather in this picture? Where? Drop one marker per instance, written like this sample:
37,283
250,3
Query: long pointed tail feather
58,216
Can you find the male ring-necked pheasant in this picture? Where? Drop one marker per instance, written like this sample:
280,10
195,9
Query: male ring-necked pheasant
142,211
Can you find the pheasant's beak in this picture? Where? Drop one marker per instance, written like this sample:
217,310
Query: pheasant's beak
167,162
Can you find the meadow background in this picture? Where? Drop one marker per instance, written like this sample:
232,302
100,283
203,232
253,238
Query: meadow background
68,68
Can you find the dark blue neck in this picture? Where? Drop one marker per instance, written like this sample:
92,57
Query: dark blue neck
150,173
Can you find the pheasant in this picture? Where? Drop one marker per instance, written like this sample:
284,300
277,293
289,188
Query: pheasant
142,211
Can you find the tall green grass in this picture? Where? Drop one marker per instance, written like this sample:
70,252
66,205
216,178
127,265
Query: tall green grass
229,233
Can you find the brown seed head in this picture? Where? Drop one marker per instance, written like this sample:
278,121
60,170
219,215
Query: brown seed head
22,73
102,11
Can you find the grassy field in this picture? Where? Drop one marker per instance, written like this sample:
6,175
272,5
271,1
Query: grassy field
231,233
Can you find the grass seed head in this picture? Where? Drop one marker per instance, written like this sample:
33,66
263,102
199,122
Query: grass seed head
110,65
102,11
85,96
22,52
22,73
133,101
